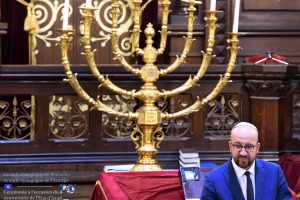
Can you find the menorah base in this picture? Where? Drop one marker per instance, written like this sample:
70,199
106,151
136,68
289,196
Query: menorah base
146,167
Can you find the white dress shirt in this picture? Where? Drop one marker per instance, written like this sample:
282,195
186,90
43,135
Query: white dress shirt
242,178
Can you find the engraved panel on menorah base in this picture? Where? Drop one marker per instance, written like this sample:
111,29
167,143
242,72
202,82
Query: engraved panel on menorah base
117,127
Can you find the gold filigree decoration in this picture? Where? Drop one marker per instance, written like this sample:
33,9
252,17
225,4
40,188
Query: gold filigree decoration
105,26
221,119
31,26
68,119
47,13
17,119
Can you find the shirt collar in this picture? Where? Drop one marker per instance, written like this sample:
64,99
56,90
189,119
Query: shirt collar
240,171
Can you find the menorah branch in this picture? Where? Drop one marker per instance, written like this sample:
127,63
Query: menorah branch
164,26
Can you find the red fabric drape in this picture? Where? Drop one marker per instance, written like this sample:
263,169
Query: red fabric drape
290,165
151,187
138,186
15,44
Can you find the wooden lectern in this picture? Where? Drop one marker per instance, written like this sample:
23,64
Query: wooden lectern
270,87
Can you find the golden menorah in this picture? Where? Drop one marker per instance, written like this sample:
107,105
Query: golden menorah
148,133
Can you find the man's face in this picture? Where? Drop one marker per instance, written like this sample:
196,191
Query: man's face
244,136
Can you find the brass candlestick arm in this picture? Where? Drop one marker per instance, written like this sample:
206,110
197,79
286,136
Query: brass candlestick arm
191,109
115,7
211,24
191,10
137,18
234,48
105,82
117,53
115,13
102,107
88,17
207,56
87,22
225,79
112,87
65,42
188,39
187,85
164,32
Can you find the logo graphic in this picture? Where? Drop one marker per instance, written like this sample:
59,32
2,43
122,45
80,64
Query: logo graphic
7,186
70,188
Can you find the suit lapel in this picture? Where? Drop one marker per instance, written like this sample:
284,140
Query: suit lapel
232,182
259,179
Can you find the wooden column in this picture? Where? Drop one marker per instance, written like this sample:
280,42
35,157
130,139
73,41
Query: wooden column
269,87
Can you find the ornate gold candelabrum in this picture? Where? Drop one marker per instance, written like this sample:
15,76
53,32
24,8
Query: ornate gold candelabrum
148,134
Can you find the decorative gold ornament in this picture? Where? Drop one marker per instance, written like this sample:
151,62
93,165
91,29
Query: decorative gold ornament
67,121
31,26
18,119
147,133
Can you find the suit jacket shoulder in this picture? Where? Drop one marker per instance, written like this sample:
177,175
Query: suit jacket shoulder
222,183
270,181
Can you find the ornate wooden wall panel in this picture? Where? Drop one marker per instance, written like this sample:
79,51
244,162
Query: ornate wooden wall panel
178,29
17,113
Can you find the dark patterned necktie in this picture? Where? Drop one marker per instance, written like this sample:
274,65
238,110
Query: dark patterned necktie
250,195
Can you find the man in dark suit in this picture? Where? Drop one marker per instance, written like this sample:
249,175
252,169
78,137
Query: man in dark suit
243,176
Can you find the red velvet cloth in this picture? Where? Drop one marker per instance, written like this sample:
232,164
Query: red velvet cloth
290,165
98,194
254,59
138,186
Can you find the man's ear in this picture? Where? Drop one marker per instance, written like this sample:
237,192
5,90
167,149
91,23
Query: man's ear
258,146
